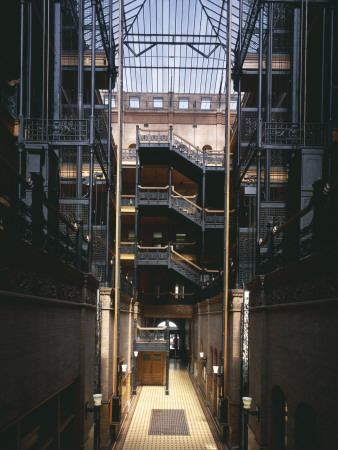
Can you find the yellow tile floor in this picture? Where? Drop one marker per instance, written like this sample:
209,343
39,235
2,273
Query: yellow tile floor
181,396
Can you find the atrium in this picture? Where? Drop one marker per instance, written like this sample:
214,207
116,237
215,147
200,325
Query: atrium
168,224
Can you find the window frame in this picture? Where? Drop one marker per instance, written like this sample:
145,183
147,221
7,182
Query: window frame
155,99
180,102
207,102
133,98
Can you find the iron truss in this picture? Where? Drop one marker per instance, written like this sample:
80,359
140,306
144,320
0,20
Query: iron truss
176,45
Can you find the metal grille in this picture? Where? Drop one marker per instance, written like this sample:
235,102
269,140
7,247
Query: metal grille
73,210
274,213
168,422
246,254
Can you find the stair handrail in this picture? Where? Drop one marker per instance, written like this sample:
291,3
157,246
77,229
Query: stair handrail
185,259
214,210
150,131
152,248
189,143
186,199
152,187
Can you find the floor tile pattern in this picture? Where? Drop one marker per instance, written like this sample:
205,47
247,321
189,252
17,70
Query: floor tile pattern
182,396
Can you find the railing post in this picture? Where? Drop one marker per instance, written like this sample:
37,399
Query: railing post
170,137
137,137
37,210
167,359
79,232
271,246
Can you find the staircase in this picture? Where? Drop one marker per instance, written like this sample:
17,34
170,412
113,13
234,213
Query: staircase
150,256
202,159
185,267
186,207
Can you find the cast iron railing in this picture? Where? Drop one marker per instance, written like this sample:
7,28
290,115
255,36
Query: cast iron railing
64,130
153,194
128,200
293,134
317,231
186,207
151,334
200,158
42,225
182,204
149,137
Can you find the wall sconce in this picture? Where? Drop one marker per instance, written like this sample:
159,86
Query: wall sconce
97,403
247,405
135,353
203,358
215,370
123,368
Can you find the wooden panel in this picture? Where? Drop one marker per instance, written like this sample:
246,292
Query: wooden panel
151,368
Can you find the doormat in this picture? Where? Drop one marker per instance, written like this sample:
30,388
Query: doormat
168,422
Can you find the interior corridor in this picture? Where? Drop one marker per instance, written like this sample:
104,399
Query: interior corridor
174,421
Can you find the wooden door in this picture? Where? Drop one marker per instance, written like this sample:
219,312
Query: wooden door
152,368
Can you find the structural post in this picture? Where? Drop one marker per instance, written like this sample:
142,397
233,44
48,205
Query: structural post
268,96
20,137
226,202
118,209
109,150
259,139
239,141
167,360
91,141
79,102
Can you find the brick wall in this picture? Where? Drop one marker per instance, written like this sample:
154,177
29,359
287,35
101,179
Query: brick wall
47,332
293,345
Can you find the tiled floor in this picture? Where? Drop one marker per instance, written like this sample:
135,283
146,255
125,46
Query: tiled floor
182,396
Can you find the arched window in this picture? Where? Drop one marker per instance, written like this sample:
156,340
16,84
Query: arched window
132,146
278,419
306,437
206,147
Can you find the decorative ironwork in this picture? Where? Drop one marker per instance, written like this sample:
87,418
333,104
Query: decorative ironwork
188,150
214,217
187,208
151,254
154,194
128,248
151,335
293,134
154,137
245,341
213,158
129,154
64,130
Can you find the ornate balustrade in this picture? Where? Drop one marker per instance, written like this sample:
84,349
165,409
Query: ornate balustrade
185,206
153,194
151,334
293,134
56,236
128,200
214,158
129,154
149,137
214,217
63,130
187,149
128,248
153,254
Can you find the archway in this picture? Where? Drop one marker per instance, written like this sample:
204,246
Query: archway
177,339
